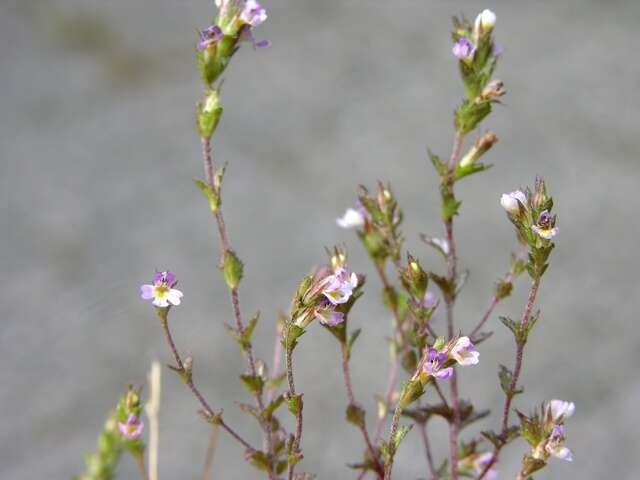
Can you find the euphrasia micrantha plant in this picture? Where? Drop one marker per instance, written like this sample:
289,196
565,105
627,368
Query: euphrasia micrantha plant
422,383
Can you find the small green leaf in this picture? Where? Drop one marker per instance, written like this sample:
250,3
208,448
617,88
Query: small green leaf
400,434
294,403
253,383
260,460
273,406
355,415
274,383
232,268
441,168
506,377
213,197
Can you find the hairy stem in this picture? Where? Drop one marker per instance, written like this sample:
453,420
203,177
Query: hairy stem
520,344
362,427
207,410
452,266
394,429
292,393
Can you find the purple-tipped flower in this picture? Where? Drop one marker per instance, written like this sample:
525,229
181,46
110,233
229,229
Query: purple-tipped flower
161,292
464,49
352,218
560,410
545,227
555,444
329,317
209,36
339,286
253,14
463,352
434,362
132,428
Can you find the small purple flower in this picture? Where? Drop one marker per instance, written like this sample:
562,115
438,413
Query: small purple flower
560,410
339,286
464,49
555,444
162,291
132,428
246,35
429,300
480,463
253,14
209,36
434,362
463,353
545,227
329,317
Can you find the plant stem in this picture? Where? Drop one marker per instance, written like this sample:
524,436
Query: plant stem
394,429
452,266
209,169
211,450
362,427
292,393
141,466
520,344
509,278
422,426
207,410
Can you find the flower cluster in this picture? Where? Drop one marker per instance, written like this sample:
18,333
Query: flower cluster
440,358
161,291
132,428
465,48
325,295
128,411
531,213
545,433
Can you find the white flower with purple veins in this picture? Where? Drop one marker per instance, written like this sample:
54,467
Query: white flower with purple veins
463,352
555,444
352,218
434,363
560,410
253,14
464,49
209,36
511,201
546,225
161,292
339,286
132,428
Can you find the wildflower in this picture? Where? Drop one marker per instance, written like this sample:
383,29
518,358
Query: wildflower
209,36
560,410
464,49
485,21
327,316
545,227
555,444
132,428
253,14
511,202
434,363
477,462
429,300
463,353
353,217
442,244
162,291
339,286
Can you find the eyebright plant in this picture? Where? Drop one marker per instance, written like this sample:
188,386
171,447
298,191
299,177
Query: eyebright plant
422,382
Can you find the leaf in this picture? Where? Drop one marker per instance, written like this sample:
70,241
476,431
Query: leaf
232,269
253,383
441,168
273,406
400,434
294,403
260,460
245,339
274,383
353,336
355,415
506,377
209,193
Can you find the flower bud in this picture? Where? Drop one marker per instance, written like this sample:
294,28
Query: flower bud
482,145
493,90
485,21
511,201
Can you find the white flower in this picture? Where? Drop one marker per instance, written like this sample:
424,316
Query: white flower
511,201
161,291
546,233
253,14
560,408
485,21
442,243
463,352
351,218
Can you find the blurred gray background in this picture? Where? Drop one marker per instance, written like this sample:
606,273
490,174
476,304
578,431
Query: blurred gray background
98,149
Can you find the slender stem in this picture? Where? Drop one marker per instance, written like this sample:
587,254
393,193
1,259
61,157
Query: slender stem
141,466
362,427
520,344
452,264
275,365
394,429
209,168
422,426
208,411
393,367
211,450
509,278
292,393
152,408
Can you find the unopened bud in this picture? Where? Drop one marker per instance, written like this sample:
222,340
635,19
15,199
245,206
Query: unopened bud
485,21
482,145
493,90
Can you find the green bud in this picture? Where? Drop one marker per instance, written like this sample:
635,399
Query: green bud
208,115
233,269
